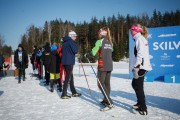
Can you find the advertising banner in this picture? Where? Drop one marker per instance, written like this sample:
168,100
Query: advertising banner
164,49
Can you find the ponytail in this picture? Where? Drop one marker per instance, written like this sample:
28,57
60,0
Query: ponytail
144,31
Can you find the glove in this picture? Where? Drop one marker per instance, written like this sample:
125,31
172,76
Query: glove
135,72
6,66
89,56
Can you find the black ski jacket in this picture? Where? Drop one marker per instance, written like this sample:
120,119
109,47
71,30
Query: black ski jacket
1,61
54,64
24,59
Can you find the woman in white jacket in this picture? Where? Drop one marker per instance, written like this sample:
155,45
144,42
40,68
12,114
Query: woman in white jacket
140,64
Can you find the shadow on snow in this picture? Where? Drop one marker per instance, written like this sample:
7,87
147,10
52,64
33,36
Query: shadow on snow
1,92
169,104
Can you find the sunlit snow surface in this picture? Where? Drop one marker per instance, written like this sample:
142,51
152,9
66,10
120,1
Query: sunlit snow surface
30,100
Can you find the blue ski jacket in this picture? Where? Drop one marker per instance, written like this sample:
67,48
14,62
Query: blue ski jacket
69,49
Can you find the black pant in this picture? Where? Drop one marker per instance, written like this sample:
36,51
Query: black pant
1,72
52,82
21,72
138,86
33,66
47,74
69,79
104,78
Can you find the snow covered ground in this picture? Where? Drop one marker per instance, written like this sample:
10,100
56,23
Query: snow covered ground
30,100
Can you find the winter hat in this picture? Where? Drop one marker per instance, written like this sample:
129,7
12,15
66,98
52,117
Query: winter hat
20,45
136,28
47,44
72,33
53,47
103,32
47,47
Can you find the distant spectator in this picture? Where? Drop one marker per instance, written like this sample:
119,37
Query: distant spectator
46,60
33,59
39,60
21,62
54,67
1,64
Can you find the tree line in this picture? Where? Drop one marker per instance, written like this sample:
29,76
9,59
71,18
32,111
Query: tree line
5,50
119,25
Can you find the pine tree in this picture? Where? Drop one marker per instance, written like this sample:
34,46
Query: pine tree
177,17
93,31
55,31
154,19
31,33
1,42
7,51
45,34
24,43
82,31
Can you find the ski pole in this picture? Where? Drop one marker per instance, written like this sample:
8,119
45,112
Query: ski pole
95,75
85,77
100,83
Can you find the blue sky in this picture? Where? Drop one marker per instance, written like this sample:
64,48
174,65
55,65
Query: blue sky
17,15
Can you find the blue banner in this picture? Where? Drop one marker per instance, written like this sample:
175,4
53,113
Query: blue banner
164,49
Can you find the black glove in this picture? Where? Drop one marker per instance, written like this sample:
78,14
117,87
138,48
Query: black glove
135,72
138,66
89,56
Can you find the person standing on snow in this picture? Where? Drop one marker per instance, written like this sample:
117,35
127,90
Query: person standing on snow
140,64
39,60
33,59
21,62
1,64
54,67
104,48
69,49
62,71
46,59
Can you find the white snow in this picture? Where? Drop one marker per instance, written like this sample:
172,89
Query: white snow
30,100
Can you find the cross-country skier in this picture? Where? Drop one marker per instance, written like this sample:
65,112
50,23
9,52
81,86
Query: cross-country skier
140,64
69,49
103,49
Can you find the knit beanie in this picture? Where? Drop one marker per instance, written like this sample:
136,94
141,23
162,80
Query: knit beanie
53,47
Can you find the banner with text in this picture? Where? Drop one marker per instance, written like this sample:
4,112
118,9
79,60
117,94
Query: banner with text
164,49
